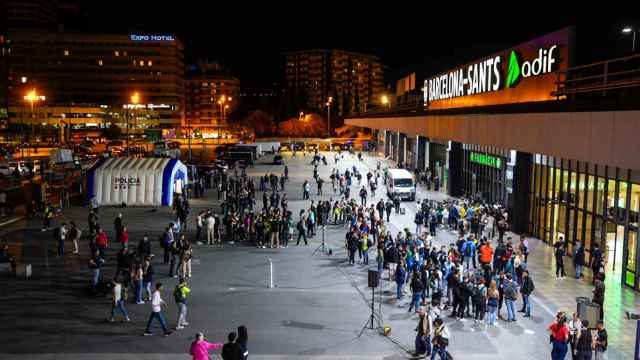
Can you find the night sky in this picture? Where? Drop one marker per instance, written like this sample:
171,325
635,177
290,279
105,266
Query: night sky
249,39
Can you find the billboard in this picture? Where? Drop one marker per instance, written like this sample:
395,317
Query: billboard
528,72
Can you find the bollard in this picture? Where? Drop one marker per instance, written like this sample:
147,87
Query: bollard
270,274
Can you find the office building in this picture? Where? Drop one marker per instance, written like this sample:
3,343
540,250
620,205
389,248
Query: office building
93,70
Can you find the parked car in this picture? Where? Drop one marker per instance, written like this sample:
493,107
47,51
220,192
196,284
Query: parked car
278,160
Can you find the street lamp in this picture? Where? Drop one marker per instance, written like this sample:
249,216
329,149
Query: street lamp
134,99
329,102
385,101
632,31
32,97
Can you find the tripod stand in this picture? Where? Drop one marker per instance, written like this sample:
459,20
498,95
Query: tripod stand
369,323
321,246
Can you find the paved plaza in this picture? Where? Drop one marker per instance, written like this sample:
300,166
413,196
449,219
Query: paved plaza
315,311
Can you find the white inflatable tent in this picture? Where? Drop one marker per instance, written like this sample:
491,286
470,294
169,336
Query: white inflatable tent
136,181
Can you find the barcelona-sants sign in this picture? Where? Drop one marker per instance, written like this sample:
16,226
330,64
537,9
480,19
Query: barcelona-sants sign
528,72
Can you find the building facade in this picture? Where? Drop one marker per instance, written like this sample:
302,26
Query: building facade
353,80
559,155
211,95
82,69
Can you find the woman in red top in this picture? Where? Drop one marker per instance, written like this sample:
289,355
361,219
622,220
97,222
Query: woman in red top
559,337
124,237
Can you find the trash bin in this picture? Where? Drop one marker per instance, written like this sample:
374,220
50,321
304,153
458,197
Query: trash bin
588,310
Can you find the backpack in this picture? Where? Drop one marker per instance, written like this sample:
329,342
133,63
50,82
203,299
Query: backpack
178,294
510,292
476,295
467,250
300,226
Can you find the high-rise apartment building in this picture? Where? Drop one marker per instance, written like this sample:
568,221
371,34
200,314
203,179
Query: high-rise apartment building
211,95
352,80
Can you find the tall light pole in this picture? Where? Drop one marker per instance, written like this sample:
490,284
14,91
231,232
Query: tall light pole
32,97
134,99
632,31
329,102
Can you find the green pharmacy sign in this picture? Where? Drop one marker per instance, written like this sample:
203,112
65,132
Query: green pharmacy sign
487,160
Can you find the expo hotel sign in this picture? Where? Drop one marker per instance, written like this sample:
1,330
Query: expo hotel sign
123,183
134,37
525,73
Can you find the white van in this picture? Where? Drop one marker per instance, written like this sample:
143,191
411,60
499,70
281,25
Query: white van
401,181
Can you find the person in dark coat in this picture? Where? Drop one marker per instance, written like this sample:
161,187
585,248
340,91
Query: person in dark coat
578,259
231,350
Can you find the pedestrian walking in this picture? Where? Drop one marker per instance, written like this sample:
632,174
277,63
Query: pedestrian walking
200,347
156,312
180,294
117,301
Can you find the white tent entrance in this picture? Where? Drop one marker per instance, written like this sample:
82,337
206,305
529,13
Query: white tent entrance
136,181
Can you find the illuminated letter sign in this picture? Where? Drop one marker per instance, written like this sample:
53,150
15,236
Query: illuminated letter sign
484,159
134,37
520,74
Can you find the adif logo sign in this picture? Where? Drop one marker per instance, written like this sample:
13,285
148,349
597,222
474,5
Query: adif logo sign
542,64
487,75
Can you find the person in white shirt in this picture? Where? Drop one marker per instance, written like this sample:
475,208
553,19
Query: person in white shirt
156,312
117,303
199,224
210,222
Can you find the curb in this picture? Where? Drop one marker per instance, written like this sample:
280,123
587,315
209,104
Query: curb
11,221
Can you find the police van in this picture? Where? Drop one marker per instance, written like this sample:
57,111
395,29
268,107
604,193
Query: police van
400,181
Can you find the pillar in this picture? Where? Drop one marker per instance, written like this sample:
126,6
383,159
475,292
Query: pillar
521,178
421,153
455,169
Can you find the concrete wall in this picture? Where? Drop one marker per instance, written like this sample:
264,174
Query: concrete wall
606,138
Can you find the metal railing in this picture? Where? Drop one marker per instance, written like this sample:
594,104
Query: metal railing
600,76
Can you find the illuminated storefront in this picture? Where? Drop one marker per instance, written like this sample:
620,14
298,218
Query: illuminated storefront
578,201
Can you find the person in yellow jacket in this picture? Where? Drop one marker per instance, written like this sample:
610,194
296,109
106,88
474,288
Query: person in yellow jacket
180,294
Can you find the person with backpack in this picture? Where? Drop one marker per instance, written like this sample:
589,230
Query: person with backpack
416,290
510,297
584,342
388,206
95,264
595,261
423,335
74,234
180,294
400,277
469,253
365,242
440,339
478,297
352,246
147,276
465,291
526,289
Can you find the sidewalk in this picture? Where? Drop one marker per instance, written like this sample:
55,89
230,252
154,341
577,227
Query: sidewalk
550,296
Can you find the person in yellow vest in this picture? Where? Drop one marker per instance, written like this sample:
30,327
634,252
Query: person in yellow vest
180,294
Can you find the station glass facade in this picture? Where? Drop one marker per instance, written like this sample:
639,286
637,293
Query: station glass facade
573,200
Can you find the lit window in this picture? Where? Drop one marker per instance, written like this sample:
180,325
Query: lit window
117,53
134,63
66,53
141,62
149,63
100,62
124,53
23,79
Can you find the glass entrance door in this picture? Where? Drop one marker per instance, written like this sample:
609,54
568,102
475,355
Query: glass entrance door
613,247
